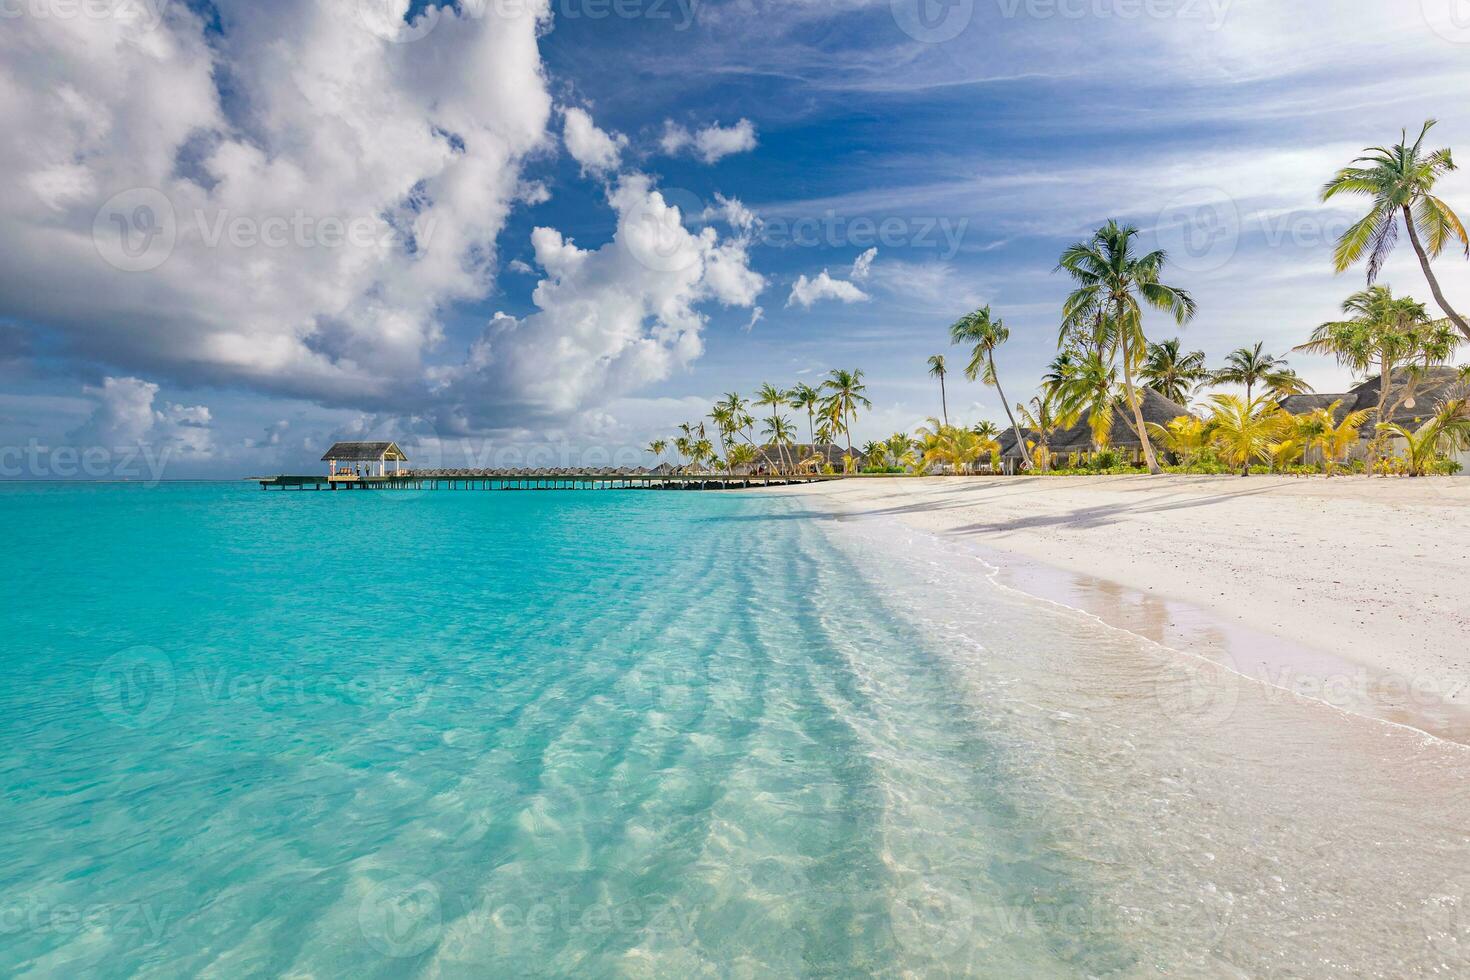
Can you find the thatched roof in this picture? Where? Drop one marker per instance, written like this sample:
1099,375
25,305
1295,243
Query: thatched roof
360,452
1433,385
1154,407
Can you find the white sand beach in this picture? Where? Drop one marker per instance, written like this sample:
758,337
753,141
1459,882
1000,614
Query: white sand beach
1354,590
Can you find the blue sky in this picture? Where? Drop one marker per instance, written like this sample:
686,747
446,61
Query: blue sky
376,220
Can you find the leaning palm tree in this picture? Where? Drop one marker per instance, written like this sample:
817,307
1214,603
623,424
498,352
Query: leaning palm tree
1116,281
985,333
937,370
1448,429
1251,366
1172,371
1400,181
1243,430
805,397
845,394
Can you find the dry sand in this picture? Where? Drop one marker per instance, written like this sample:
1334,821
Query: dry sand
1356,589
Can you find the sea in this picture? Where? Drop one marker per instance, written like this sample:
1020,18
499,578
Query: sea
659,734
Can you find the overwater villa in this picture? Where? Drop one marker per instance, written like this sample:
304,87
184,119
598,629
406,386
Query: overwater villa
348,461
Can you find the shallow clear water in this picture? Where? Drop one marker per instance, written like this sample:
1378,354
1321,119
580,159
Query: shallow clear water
655,734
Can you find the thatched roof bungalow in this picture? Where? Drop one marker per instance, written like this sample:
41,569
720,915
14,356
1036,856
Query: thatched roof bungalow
1077,439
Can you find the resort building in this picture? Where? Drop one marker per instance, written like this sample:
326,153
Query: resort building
1413,395
1068,445
356,460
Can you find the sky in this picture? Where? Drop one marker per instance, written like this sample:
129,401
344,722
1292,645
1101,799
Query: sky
544,232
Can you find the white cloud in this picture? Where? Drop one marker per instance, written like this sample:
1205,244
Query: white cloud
124,415
756,316
710,144
806,292
416,148
608,320
863,264
596,151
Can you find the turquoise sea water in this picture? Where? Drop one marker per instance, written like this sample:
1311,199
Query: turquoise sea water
602,734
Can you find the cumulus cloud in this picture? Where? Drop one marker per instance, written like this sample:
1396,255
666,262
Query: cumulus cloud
124,414
596,151
288,205
863,264
710,144
608,320
807,292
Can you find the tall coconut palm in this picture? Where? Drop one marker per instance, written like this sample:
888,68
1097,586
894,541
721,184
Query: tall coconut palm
984,334
1400,181
1114,279
1172,371
845,394
780,433
1382,334
937,370
1446,430
769,396
657,448
1243,430
1251,366
806,398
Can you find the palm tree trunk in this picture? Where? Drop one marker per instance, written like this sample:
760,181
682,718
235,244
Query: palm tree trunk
847,427
1148,450
1458,320
1020,436
943,401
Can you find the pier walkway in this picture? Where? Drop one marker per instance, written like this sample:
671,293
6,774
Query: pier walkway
607,479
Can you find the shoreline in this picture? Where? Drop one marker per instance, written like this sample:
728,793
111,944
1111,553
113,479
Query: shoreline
1199,565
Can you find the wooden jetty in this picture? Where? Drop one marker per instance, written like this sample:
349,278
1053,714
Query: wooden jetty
594,479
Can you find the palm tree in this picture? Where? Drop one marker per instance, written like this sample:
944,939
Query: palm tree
1400,180
1383,333
1251,366
769,396
1040,418
1173,372
1447,429
985,334
657,447
1242,430
740,457
950,445
876,454
937,370
702,450
900,449
779,431
845,393
986,430
1085,386
804,396
1112,279
1333,436
1187,437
